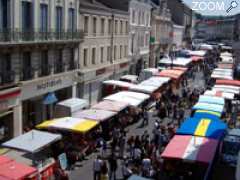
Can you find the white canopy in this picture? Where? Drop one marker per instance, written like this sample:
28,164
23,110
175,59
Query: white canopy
131,78
220,94
74,104
201,53
206,47
226,54
133,98
156,81
178,61
237,88
32,141
144,88
225,90
118,83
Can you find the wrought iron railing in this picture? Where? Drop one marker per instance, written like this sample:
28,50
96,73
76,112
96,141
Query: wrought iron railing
16,35
59,68
27,73
7,77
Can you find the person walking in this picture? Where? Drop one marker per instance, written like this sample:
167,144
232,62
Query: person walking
126,171
112,166
104,171
97,165
122,143
145,117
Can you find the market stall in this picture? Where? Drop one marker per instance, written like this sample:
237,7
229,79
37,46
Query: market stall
27,148
68,107
11,169
130,78
228,89
204,127
114,86
193,154
228,82
225,65
211,100
225,95
207,114
209,107
114,106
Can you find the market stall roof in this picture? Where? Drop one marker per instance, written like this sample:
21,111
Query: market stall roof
211,100
228,82
4,159
178,61
79,125
32,141
135,177
13,170
207,114
95,114
206,47
114,106
204,127
118,83
171,73
197,58
131,78
223,70
74,104
226,54
237,88
221,76
191,148
225,95
225,65
226,88
184,69
227,59
208,107
133,98
234,132
156,81
144,88
199,53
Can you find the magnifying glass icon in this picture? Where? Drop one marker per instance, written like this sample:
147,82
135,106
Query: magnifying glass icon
233,5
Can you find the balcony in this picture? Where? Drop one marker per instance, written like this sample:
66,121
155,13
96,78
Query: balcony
45,70
27,74
59,68
11,36
7,78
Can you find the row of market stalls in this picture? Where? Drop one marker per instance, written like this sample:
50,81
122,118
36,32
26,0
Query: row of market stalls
77,125
198,140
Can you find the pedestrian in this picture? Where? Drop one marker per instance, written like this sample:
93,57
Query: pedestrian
126,171
146,166
122,143
112,166
145,118
97,165
104,171
103,147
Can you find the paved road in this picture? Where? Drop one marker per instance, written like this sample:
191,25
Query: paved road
83,170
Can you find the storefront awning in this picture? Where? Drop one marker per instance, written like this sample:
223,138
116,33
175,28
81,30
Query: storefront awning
204,127
50,98
191,148
32,141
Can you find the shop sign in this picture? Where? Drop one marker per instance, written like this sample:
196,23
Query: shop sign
50,84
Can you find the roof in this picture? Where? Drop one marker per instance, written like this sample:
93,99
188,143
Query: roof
228,82
111,105
219,94
13,170
178,61
234,132
199,53
205,127
132,78
74,103
156,81
211,100
226,88
133,98
118,83
32,141
225,65
207,114
209,107
78,125
171,73
148,89
191,148
94,114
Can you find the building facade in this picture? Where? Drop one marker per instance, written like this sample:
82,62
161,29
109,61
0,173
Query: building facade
178,32
161,31
104,52
39,43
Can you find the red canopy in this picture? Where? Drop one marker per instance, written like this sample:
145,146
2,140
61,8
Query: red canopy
13,170
197,58
4,159
225,66
228,82
171,73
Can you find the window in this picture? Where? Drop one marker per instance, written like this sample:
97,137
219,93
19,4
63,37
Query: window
121,51
147,40
126,28
45,70
116,26
5,14
71,59
143,19
147,20
26,16
27,66
59,61
43,17
109,26
7,75
139,17
86,20
85,57
126,51
108,53
94,26
133,16
121,27
115,52
71,21
93,55
101,54
59,23
102,26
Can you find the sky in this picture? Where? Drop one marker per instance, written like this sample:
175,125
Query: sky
213,7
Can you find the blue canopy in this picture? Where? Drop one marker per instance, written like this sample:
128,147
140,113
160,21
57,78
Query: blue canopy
203,127
50,99
208,107
207,114
211,100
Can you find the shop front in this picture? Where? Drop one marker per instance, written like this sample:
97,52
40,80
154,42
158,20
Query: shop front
39,97
9,113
